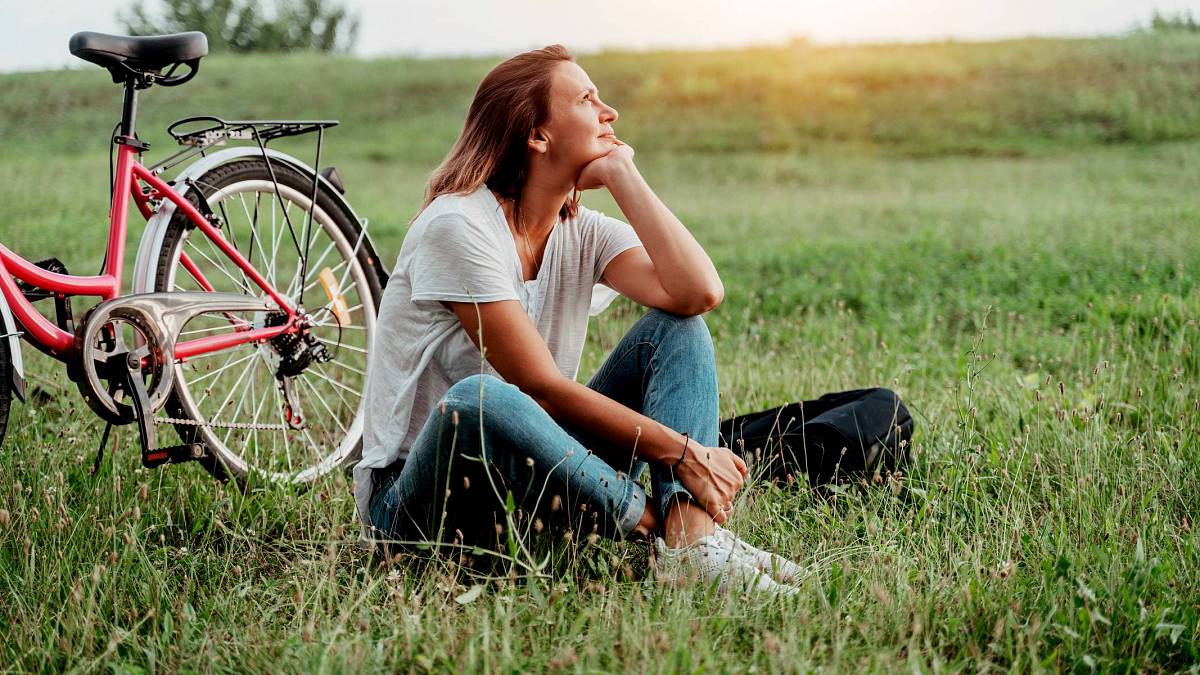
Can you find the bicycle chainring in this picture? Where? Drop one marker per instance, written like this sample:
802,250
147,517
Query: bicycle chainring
100,342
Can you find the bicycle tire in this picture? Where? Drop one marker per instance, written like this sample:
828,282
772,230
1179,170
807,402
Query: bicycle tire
219,185
6,393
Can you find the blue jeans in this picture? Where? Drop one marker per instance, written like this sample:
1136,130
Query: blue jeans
664,367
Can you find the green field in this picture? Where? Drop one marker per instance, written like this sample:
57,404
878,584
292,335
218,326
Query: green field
1007,234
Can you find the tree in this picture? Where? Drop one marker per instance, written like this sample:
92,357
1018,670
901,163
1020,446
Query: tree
246,26
1181,22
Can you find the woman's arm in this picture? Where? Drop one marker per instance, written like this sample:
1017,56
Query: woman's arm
672,261
513,346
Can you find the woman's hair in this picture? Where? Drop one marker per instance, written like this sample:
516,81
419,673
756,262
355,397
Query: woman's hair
511,100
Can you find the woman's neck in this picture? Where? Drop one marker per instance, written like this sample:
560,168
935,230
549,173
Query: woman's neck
540,202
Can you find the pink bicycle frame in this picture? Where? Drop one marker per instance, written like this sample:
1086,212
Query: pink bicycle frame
59,343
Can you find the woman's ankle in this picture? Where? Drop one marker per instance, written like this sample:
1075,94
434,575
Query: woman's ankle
686,522
649,525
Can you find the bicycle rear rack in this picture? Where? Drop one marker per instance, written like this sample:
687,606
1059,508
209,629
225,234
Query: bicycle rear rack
216,131
220,130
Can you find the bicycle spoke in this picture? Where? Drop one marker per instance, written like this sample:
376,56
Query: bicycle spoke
316,371
253,397
210,329
316,267
328,307
333,324
318,279
253,221
276,239
241,402
236,384
352,369
257,412
223,368
331,343
329,410
232,239
287,447
220,267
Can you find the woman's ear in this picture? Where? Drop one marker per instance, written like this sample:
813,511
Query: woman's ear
538,140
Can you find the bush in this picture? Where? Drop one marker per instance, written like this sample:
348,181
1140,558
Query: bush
245,26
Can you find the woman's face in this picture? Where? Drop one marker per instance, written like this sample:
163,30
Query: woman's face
580,124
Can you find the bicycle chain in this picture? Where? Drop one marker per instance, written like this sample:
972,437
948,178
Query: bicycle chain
224,425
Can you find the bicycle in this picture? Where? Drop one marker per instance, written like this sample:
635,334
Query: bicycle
215,333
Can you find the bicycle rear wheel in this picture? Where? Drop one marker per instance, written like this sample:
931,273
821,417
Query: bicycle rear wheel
241,402
5,385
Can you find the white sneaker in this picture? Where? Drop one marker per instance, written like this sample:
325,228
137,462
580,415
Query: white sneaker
709,560
780,568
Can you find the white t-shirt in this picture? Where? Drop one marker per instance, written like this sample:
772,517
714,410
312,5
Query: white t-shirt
461,249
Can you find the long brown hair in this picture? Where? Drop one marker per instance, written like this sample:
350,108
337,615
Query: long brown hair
511,100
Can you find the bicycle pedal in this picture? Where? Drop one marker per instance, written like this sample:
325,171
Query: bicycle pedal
33,293
173,454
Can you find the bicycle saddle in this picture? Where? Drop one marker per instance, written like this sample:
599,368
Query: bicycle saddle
151,53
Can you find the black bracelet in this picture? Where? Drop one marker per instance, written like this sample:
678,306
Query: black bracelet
682,454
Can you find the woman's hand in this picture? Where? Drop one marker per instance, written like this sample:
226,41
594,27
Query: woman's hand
712,476
598,172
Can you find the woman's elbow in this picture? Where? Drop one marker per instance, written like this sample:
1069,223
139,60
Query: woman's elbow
708,300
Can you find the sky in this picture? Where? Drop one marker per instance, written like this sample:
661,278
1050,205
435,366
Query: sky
33,35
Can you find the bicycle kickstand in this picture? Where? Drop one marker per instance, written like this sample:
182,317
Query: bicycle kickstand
130,365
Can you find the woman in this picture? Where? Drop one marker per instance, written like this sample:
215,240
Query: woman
482,325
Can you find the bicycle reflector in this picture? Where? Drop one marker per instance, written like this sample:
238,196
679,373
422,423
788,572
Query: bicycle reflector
337,301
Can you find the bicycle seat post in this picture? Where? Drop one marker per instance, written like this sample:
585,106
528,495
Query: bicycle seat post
129,109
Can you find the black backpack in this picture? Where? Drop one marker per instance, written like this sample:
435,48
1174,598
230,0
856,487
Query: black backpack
839,438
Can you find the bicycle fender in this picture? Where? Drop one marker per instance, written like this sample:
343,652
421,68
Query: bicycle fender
156,228
11,332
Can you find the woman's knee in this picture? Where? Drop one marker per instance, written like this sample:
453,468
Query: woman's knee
484,395
471,392
690,330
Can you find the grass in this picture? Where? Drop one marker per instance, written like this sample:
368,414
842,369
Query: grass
1004,233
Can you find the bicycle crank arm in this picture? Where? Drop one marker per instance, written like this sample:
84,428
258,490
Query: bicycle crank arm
130,364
